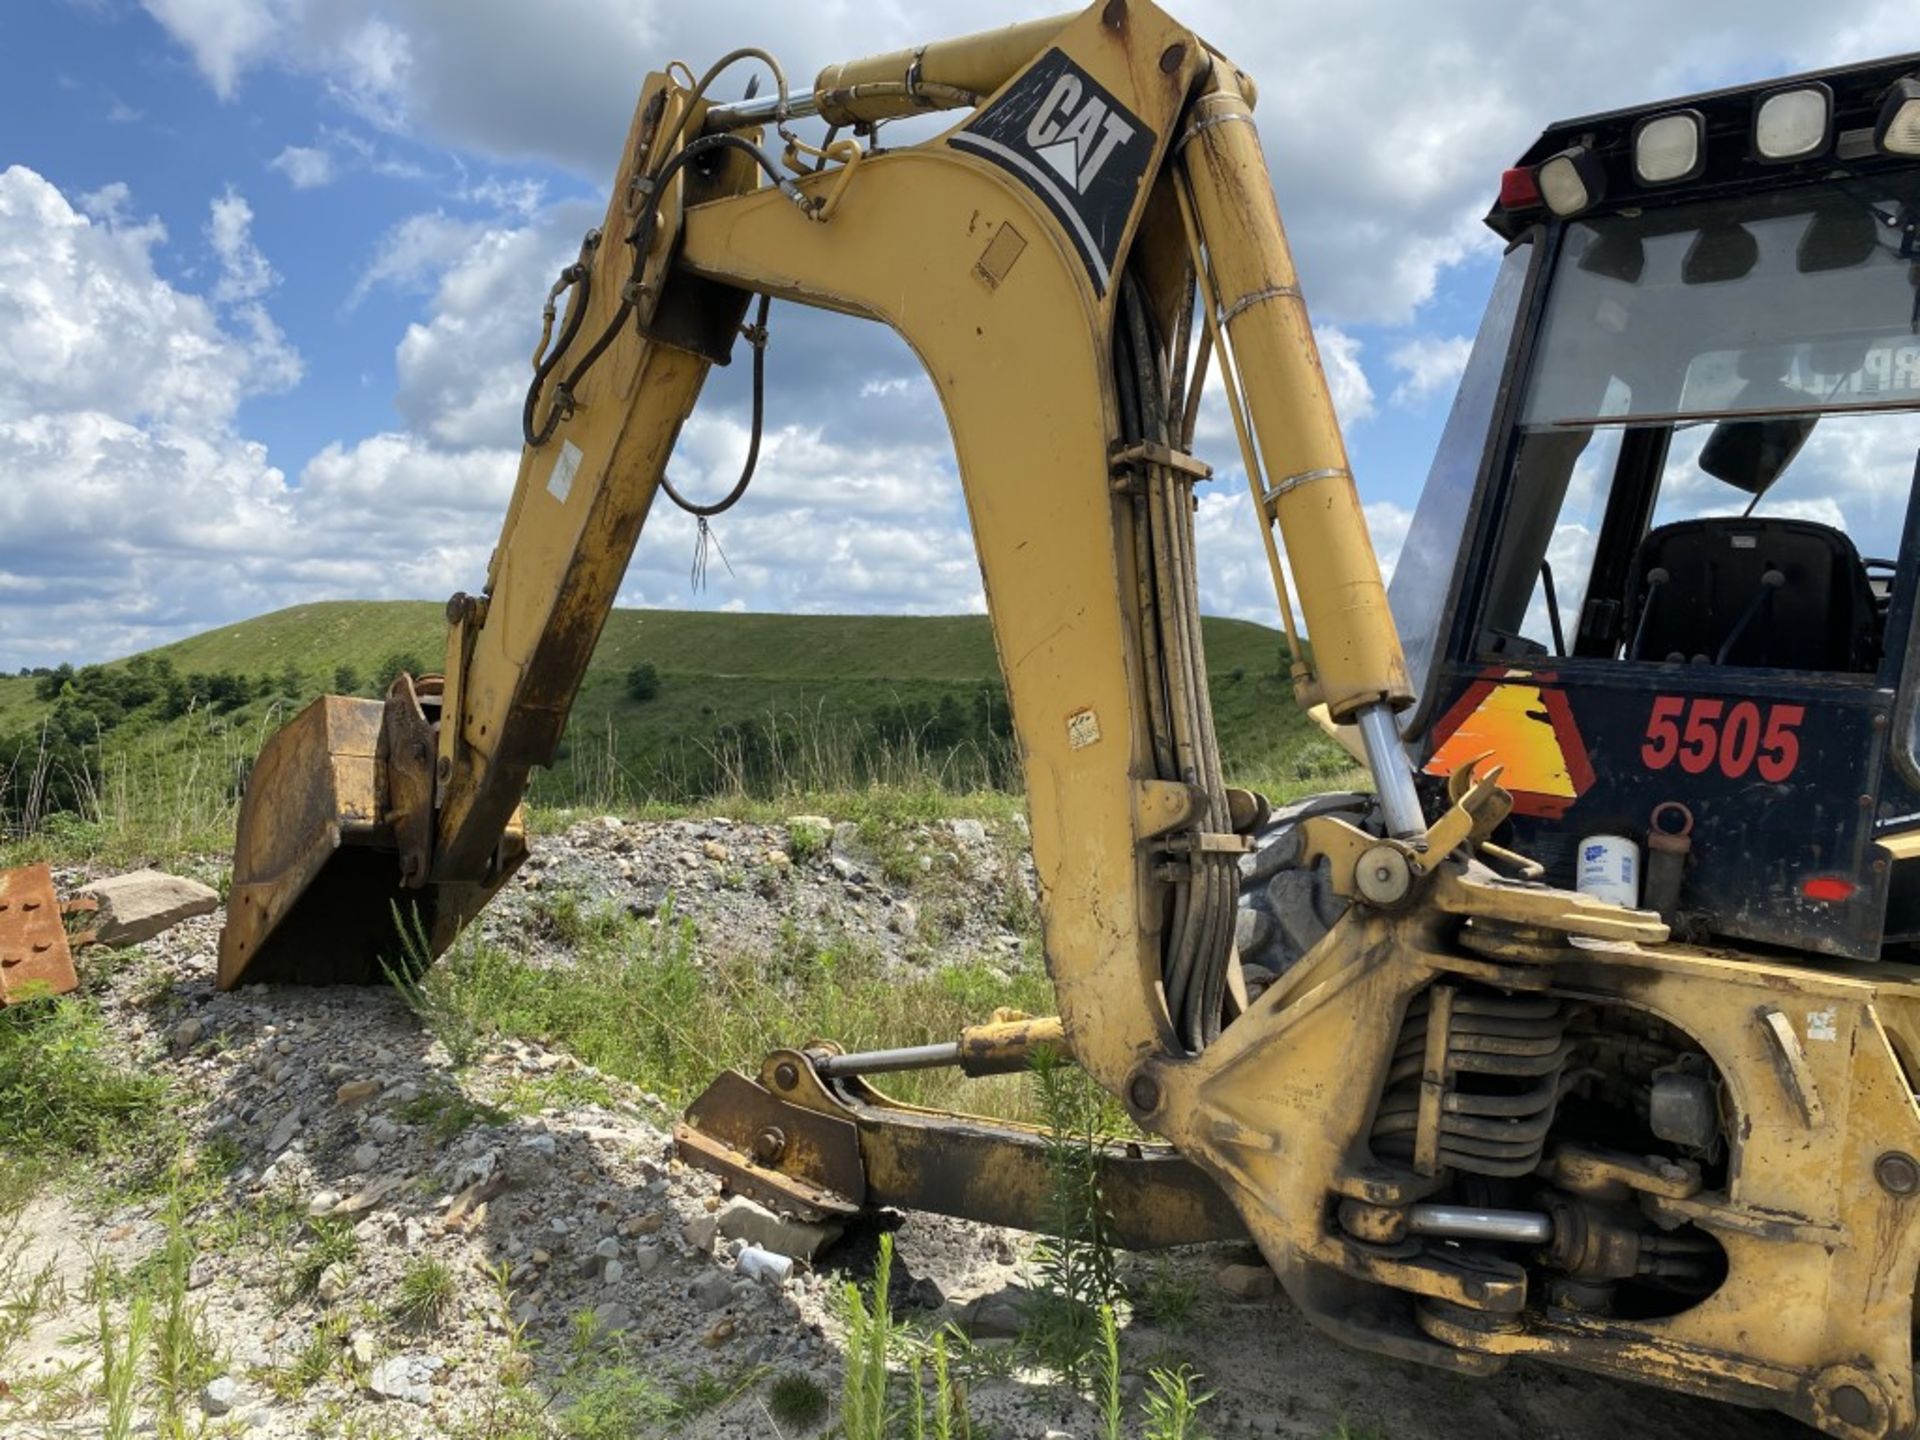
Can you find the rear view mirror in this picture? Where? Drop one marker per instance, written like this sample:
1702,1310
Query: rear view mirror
1723,251
1837,239
1618,255
1750,454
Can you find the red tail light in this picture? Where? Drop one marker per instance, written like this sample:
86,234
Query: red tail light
1518,189
1828,887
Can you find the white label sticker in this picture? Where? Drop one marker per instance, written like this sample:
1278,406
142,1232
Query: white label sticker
1083,729
1821,1025
565,467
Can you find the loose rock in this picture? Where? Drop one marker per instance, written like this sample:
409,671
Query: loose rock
1247,1282
996,1316
356,1092
146,903
220,1395
741,1219
403,1377
333,1282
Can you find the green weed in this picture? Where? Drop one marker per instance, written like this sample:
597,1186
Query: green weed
796,1401
871,1337
332,1243
807,842
185,1356
63,1089
321,1354
448,1114
1107,1376
1170,1299
427,1295
1075,1261
614,1402
120,1351
443,1008
1171,1405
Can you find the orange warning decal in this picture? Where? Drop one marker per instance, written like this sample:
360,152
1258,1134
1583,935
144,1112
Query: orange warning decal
1528,728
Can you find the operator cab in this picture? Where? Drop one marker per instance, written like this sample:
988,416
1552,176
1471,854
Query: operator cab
1664,567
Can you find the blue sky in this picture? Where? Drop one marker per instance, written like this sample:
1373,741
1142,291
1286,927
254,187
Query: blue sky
270,269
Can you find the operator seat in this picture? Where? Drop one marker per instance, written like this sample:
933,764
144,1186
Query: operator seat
1785,594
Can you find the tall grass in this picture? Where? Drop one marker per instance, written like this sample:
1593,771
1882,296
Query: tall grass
783,754
153,790
64,1088
642,1002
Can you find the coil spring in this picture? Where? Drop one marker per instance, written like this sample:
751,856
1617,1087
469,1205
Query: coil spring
1499,1084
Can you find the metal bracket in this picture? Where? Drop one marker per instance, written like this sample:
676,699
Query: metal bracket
407,764
1147,452
1790,1063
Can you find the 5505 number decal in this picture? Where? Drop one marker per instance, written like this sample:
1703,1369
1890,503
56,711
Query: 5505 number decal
1734,737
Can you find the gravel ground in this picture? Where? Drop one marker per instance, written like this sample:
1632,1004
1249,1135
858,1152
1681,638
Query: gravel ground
570,1232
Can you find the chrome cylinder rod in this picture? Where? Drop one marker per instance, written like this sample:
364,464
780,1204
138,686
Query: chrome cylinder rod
1463,1222
880,1062
764,110
1392,772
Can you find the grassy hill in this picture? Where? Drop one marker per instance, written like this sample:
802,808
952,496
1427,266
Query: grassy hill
744,704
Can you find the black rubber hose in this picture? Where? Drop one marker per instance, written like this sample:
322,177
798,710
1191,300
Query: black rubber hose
641,239
732,497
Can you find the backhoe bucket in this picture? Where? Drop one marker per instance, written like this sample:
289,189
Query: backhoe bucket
316,865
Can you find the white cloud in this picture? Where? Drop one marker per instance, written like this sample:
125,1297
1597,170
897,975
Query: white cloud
339,151
224,36
413,254
1388,122
306,167
1432,365
244,272
86,324
370,67
463,371
1346,377
128,485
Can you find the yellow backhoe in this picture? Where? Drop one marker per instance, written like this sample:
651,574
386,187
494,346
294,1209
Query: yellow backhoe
1477,1113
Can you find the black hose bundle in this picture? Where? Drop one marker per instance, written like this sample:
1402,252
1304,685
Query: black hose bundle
1198,946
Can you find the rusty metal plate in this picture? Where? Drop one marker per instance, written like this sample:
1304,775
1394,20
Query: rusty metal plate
34,956
799,1161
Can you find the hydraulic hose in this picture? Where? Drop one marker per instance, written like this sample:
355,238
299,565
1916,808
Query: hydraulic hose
1198,945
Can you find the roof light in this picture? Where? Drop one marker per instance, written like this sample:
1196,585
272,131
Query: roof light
1828,887
1518,191
1667,148
1897,131
1571,181
1793,124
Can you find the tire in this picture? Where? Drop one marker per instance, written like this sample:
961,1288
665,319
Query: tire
1285,907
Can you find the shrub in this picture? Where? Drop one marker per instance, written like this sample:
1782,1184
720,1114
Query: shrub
643,681
391,668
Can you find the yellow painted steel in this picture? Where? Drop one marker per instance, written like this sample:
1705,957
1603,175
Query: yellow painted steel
979,274
937,76
1309,490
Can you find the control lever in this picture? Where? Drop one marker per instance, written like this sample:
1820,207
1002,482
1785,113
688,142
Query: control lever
1770,581
1656,577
